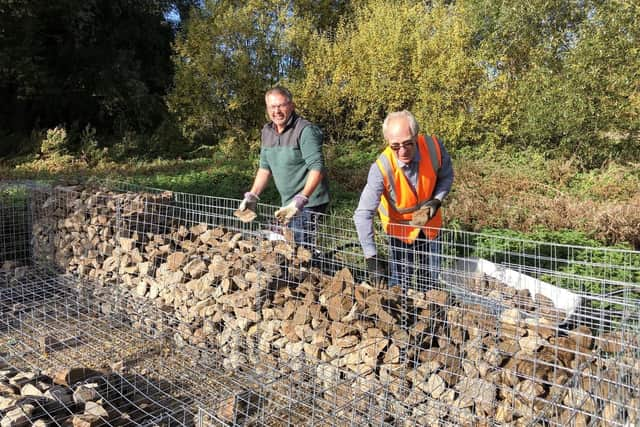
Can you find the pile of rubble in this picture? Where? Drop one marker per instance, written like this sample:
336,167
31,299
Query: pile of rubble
74,397
262,303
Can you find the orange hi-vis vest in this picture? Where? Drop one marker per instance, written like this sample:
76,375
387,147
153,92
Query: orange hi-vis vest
399,198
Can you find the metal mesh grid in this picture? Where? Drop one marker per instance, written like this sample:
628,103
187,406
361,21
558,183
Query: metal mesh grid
15,227
470,350
49,322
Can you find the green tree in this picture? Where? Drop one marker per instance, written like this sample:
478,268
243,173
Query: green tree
231,52
601,86
304,19
561,76
226,57
107,63
393,55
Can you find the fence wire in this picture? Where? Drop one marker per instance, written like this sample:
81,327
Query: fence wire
180,314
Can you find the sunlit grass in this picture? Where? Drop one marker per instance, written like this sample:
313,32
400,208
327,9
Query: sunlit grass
493,189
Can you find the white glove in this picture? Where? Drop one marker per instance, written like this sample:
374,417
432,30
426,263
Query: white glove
285,213
246,211
250,202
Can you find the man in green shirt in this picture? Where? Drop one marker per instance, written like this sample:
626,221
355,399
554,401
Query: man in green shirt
291,152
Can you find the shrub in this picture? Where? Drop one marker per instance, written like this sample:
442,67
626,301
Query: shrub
55,141
90,152
391,56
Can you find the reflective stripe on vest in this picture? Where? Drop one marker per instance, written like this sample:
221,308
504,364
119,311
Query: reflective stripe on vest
400,200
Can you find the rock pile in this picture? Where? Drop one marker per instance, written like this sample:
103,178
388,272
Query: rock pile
423,356
72,397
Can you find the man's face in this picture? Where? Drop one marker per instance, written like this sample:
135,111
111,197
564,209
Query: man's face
400,139
279,109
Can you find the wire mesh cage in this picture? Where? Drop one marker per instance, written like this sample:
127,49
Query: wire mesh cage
172,311
16,228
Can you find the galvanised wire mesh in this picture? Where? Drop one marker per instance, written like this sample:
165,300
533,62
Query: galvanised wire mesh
226,323
16,228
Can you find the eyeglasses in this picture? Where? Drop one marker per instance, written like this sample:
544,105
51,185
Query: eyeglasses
396,146
278,106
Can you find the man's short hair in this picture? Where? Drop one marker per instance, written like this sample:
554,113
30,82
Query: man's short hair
413,123
280,90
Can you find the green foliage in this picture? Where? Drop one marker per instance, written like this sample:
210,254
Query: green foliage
90,150
611,183
85,61
14,196
230,53
226,59
502,246
603,273
399,55
54,151
55,141
584,263
602,76
218,178
396,55
349,163
242,146
303,20
392,55
561,76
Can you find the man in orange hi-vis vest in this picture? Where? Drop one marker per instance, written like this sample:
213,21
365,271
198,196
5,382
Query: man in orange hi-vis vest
406,186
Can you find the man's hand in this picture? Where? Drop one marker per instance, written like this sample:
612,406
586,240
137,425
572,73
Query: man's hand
376,270
285,213
426,212
247,208
250,202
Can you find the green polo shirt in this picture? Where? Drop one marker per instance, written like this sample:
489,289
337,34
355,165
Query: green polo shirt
291,155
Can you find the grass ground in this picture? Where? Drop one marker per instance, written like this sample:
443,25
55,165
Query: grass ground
519,192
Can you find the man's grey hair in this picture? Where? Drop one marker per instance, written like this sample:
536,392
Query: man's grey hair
413,123
280,90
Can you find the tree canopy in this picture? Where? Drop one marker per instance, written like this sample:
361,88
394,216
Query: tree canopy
107,63
559,76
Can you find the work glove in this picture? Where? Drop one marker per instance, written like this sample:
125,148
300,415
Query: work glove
426,212
376,270
250,202
285,213
247,209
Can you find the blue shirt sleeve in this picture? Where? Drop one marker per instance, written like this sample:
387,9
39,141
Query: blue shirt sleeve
366,210
445,175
